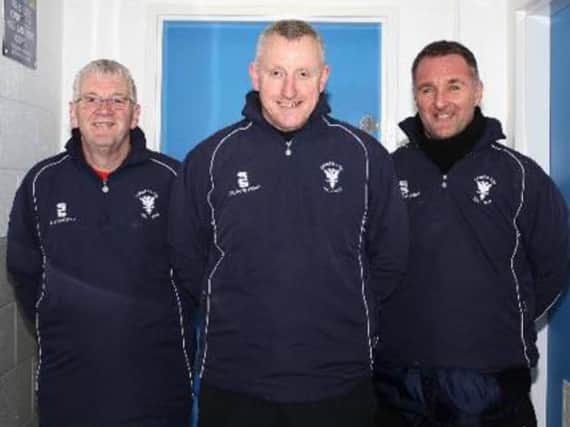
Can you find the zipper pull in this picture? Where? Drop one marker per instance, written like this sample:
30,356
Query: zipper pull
105,188
288,150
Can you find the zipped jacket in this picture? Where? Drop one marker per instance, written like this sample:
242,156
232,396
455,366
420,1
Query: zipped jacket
489,254
89,262
292,244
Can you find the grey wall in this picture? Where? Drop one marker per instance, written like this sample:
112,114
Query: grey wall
30,115
17,356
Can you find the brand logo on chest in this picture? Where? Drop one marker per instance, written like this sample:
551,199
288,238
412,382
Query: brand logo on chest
61,214
405,190
243,184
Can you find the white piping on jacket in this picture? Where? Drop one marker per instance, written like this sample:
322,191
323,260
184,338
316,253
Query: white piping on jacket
44,263
361,235
158,162
516,248
215,241
177,293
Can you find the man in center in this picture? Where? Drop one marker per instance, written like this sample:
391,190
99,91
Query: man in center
289,230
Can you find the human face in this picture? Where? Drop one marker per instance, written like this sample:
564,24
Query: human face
446,94
103,126
290,76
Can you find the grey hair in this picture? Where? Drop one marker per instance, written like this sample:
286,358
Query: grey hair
109,67
291,29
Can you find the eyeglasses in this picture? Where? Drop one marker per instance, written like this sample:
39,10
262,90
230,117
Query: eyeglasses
93,102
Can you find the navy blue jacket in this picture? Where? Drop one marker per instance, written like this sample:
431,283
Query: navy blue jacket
488,255
90,267
292,253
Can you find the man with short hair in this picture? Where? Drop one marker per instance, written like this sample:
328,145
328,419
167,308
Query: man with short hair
489,255
88,254
290,226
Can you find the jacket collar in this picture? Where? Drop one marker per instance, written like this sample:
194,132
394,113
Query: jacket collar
137,154
493,131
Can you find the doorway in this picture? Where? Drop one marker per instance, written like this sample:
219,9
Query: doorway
205,76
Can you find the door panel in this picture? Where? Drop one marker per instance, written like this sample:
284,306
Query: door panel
205,75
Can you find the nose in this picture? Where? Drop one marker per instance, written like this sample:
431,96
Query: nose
105,104
289,89
440,99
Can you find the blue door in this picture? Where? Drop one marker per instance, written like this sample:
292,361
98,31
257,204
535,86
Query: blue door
205,76
559,329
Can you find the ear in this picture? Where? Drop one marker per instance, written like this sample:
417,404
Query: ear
254,75
73,120
324,78
136,116
478,92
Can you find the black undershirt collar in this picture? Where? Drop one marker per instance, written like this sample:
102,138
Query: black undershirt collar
446,152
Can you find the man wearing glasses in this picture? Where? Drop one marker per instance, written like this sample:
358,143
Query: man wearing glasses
88,256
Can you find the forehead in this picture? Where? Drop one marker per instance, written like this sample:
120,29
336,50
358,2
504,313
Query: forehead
279,51
446,67
107,82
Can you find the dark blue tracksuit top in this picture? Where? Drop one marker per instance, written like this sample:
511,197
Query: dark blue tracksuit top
291,254
488,255
91,270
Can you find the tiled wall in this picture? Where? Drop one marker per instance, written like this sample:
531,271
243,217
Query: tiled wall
30,114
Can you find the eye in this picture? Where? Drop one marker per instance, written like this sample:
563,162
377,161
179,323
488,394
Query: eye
276,73
425,90
454,88
90,99
303,74
119,101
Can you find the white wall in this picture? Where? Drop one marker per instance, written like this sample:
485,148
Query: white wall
129,31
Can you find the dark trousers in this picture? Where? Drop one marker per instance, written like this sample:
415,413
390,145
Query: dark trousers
412,397
221,408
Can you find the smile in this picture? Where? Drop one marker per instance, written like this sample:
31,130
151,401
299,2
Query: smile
288,104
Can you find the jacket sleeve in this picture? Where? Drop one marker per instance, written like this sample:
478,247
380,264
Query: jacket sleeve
189,230
546,235
387,234
24,252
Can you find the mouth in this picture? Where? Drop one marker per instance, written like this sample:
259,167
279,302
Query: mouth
443,116
102,124
289,104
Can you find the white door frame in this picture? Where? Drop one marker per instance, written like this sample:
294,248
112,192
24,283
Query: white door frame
531,106
385,15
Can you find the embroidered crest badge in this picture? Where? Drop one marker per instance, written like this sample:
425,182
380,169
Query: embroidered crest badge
147,198
332,172
484,184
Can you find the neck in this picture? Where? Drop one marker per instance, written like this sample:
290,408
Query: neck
106,159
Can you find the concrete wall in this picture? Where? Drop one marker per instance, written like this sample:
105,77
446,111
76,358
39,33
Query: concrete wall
30,113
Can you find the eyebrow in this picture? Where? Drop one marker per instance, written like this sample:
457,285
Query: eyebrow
96,94
454,80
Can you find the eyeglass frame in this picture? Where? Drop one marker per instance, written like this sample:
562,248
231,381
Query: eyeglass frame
114,102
